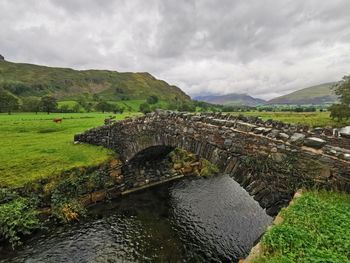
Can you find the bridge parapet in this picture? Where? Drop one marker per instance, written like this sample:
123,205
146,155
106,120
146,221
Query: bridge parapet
290,135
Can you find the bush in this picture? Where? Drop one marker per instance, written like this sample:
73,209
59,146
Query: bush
187,106
145,108
340,112
152,99
104,106
68,209
18,217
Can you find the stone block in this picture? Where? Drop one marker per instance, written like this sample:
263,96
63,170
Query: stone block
346,156
314,142
274,133
283,136
297,139
246,127
259,130
345,132
228,142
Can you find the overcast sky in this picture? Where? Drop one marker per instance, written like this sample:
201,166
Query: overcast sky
260,47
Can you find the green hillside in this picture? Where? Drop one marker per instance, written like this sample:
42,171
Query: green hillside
25,80
321,94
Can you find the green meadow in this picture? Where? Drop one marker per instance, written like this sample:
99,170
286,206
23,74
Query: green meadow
313,119
34,147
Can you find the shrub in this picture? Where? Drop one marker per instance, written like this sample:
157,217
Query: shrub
104,106
18,217
152,99
145,108
67,209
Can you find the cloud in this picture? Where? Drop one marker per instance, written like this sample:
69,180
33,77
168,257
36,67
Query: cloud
263,48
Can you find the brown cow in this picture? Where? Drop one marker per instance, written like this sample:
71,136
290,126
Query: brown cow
57,120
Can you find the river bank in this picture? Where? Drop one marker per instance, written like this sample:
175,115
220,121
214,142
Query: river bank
313,228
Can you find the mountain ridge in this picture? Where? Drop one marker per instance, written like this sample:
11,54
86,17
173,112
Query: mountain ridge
321,94
24,80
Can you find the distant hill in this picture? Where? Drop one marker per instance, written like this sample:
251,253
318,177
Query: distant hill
320,94
233,99
68,84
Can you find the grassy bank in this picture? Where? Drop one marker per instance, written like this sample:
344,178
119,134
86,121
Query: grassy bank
313,119
34,147
315,228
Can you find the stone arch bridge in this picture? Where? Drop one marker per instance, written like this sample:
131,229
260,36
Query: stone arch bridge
269,159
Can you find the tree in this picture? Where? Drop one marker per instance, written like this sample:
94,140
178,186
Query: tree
187,106
228,108
172,105
31,104
340,112
76,108
8,102
145,108
89,106
117,109
104,106
64,108
342,90
152,99
82,101
96,97
48,104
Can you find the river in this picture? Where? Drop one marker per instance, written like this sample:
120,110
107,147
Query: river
190,220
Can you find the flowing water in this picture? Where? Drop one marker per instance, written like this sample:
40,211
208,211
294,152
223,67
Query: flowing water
191,220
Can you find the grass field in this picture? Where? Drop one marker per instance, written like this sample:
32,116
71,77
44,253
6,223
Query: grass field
316,228
313,119
34,147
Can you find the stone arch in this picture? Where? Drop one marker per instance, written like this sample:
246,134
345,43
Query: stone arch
143,142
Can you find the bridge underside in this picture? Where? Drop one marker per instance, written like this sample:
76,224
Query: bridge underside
152,153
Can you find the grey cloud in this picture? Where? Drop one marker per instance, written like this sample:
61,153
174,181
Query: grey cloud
264,48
